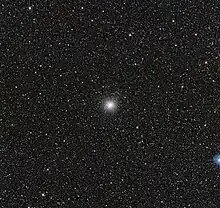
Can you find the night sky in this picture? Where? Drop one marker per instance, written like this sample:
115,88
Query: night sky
109,104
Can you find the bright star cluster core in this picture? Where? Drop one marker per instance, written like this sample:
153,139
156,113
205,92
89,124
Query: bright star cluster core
110,105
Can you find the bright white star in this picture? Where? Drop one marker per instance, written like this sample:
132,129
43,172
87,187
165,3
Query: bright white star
216,159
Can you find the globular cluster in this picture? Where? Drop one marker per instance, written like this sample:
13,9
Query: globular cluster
109,104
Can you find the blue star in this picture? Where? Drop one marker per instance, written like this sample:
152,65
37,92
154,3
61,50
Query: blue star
216,159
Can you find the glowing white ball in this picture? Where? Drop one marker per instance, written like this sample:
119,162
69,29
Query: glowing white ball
110,105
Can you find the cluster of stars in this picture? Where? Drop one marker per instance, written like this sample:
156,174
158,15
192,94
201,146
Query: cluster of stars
110,105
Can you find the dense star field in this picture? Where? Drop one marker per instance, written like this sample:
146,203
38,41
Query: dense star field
109,104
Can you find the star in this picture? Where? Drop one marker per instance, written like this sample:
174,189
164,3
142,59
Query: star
216,159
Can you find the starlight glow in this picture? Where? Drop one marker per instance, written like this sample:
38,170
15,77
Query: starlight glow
216,159
110,105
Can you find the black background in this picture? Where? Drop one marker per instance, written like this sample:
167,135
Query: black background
60,59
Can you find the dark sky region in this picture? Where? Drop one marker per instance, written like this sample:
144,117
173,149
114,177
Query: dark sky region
109,104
